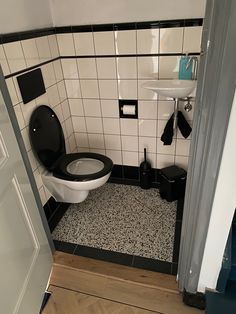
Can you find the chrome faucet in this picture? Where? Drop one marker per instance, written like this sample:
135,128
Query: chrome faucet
194,61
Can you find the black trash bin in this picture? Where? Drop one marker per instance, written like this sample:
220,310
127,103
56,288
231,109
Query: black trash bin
173,182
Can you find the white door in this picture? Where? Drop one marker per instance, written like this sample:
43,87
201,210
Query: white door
25,255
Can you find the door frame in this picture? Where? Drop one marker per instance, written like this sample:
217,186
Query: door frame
214,99
16,129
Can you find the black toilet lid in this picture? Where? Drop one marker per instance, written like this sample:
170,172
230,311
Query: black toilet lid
46,136
61,167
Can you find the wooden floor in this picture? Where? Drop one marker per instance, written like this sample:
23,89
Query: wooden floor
83,285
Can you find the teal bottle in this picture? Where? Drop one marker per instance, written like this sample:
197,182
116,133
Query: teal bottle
185,74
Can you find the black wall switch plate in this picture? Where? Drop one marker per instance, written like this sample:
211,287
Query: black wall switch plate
31,85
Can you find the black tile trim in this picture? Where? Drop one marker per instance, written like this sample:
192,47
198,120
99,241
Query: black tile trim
30,68
131,55
46,297
11,37
116,257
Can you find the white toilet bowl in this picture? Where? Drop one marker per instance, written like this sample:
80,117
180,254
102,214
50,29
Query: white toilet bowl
68,177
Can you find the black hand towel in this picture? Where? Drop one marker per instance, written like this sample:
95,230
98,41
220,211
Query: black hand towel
183,125
168,133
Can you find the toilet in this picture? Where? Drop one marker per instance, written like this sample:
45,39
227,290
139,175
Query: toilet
68,177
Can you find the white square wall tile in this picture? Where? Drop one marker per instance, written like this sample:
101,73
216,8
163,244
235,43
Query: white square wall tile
69,127
19,116
3,61
104,43
97,151
115,156
149,143
27,110
89,88
72,143
30,52
160,127
79,124
110,108
96,141
125,42
52,39
65,109
126,67
145,94
169,67
94,125
182,147
26,140
87,68
147,109
112,142
76,107
58,70
15,56
66,44
165,149
106,68
62,90
192,39
147,41
164,161
171,40
147,127
69,68
53,96
129,126
130,158
58,111
182,162
165,109
43,48
111,126
108,89
48,74
73,88
81,139
127,89
84,43
92,107
129,143
147,67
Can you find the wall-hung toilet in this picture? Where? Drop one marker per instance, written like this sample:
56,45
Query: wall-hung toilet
68,177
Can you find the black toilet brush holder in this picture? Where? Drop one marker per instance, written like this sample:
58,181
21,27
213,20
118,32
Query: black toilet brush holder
145,173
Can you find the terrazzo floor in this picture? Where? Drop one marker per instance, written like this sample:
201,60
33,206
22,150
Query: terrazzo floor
122,218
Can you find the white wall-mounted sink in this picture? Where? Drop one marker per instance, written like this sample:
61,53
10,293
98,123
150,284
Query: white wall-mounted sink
171,88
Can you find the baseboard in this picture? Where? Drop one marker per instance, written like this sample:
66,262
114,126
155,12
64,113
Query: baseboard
197,300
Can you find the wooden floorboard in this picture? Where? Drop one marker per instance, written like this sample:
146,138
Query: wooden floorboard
120,284
64,301
116,271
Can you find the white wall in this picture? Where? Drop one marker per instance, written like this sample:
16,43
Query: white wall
79,12
222,211
21,15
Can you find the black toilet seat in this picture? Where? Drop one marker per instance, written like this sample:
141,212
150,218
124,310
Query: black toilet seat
60,168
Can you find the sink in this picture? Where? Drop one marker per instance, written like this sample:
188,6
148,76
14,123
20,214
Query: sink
171,88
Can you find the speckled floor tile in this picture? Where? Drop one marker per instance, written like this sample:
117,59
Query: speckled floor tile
122,218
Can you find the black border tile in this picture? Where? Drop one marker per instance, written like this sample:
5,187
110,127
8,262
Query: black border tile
102,27
152,264
174,269
117,171
57,214
180,209
178,227
148,25
81,28
104,255
65,247
131,172
193,22
171,23
124,26
63,29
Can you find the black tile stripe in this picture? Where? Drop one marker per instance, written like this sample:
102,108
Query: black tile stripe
11,37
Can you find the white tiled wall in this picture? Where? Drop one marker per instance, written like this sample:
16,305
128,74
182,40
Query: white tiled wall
95,84
20,55
84,92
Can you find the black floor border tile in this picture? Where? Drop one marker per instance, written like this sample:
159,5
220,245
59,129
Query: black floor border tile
152,264
178,227
104,255
65,247
57,215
